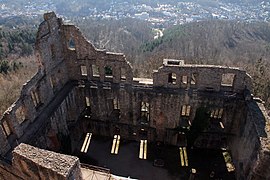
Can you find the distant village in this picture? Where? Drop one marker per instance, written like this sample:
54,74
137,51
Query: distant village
160,15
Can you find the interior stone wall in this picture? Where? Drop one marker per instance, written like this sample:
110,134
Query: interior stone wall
250,147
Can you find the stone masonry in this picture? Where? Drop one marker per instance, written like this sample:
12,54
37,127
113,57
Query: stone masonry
79,88
42,164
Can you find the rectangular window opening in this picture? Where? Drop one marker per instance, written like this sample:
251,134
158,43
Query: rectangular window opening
188,111
20,114
123,74
95,70
87,101
172,78
108,71
227,79
184,79
35,97
145,111
116,103
193,79
185,110
6,128
220,113
83,70
174,63
216,114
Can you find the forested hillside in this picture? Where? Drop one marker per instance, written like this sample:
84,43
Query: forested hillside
17,42
17,64
214,42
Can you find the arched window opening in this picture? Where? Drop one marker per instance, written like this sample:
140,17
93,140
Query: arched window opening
71,44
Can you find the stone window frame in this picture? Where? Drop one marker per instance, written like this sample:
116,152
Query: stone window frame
217,113
95,70
116,103
184,79
87,101
36,97
108,71
123,74
71,44
83,70
6,129
145,110
193,79
20,114
227,79
172,77
185,110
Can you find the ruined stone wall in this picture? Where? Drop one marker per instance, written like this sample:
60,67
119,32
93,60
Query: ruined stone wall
82,53
165,107
203,77
79,88
54,134
250,147
37,94
37,164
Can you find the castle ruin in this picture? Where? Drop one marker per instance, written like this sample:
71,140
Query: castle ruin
79,89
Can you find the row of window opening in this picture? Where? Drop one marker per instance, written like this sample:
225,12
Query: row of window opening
144,108
184,79
227,79
108,71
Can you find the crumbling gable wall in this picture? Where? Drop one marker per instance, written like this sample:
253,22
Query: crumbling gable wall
22,120
96,63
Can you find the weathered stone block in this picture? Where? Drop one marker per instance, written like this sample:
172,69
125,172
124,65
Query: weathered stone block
42,164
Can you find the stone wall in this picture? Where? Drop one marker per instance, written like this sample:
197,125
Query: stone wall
36,163
79,88
250,148
203,77
54,133
165,107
